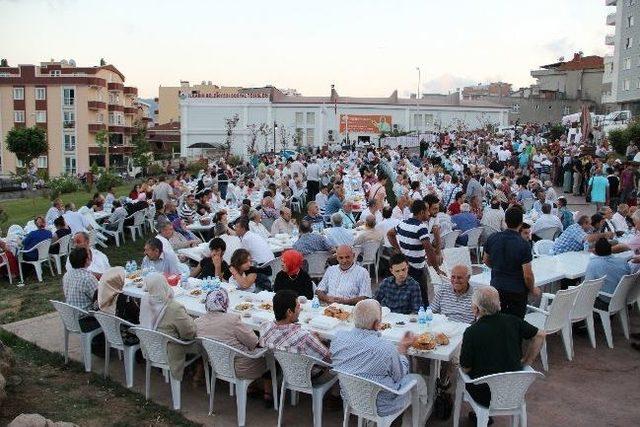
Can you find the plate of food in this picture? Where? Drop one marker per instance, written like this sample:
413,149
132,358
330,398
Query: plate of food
424,342
243,306
135,275
337,313
195,292
267,306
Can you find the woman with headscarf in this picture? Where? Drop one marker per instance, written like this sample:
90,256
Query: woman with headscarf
228,328
111,299
185,234
292,277
160,312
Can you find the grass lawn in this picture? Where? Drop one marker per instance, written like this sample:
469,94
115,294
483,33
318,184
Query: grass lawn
41,383
19,211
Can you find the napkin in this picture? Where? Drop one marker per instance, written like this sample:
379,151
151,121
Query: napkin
323,322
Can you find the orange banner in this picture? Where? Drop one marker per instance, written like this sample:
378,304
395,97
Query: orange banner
364,123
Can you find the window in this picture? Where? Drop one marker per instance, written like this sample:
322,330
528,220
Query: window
417,121
515,108
536,107
100,118
41,116
69,119
630,21
69,96
54,73
428,119
566,111
69,142
18,116
18,93
299,118
42,162
310,135
70,164
311,119
629,43
41,93
627,63
626,84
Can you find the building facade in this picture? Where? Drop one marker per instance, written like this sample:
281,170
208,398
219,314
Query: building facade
169,98
74,105
496,89
318,121
622,68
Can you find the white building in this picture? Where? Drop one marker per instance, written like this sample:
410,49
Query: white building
318,121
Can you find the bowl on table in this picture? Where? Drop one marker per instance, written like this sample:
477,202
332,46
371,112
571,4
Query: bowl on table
205,221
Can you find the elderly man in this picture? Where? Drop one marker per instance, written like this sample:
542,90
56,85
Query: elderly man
339,235
54,211
345,283
309,242
493,344
76,221
370,232
454,301
284,224
40,234
619,219
348,220
158,260
175,239
361,351
575,236
99,261
399,292
464,221
546,220
163,191
607,214
313,214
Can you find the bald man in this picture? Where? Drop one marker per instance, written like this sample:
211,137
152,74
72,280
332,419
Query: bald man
454,299
345,283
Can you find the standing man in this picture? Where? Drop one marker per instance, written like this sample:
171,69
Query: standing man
509,257
313,179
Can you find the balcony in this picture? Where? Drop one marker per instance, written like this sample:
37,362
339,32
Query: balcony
611,19
608,98
611,2
117,128
133,91
97,105
130,110
96,127
116,86
116,107
68,124
610,40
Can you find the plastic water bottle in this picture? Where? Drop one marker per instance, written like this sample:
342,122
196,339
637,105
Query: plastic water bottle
428,316
422,319
134,265
315,303
586,246
127,267
184,276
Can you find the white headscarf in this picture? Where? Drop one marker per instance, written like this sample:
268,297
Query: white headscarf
155,302
109,287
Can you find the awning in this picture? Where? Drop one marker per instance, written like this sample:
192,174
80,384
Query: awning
205,145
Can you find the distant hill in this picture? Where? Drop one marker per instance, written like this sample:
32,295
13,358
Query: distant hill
152,104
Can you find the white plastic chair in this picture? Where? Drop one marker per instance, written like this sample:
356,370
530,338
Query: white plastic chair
296,372
370,255
138,222
449,239
111,326
618,305
149,219
154,350
276,266
63,244
543,247
119,231
4,262
360,398
317,261
548,233
473,240
508,391
222,361
454,256
96,229
233,243
15,230
556,319
583,307
30,226
42,249
70,315
527,204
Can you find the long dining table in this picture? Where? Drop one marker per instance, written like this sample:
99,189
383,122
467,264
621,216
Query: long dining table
314,320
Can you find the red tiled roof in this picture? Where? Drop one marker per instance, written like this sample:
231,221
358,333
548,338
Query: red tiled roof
578,62
166,126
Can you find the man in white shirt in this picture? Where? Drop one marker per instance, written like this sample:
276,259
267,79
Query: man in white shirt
257,245
54,211
338,235
322,197
619,218
99,261
345,283
76,221
546,220
493,216
387,223
283,224
313,179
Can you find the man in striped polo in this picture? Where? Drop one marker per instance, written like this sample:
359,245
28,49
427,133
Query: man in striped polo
413,239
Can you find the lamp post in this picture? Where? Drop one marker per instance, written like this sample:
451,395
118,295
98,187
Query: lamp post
275,128
417,103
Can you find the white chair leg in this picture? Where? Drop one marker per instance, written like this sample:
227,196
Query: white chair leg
515,418
231,388
316,407
544,356
241,401
483,418
129,363
345,418
147,381
107,354
415,407
38,268
66,346
591,330
51,267
85,340
207,381
213,391
523,415
624,320
457,406
20,269
567,341
175,392
606,325
271,363
294,397
165,373
283,392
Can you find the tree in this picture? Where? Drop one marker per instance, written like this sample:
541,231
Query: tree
265,130
141,149
102,139
284,135
4,62
27,144
230,124
102,62
254,130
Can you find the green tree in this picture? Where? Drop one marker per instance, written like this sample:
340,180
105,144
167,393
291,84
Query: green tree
4,62
141,149
618,140
102,139
27,143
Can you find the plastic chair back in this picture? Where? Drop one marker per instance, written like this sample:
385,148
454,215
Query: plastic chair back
449,239
587,295
63,244
543,247
508,389
317,261
138,218
473,236
619,298
454,256
548,233
221,356
370,252
31,226
15,230
296,368
43,249
69,315
560,310
361,395
111,326
527,204
153,345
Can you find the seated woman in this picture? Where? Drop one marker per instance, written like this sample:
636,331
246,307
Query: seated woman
292,277
213,265
61,231
228,328
133,195
183,233
111,300
243,272
160,312
222,217
255,224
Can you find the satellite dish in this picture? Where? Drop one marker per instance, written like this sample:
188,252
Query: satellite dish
72,62
561,59
64,62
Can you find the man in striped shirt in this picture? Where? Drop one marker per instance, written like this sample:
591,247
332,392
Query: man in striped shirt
454,300
412,238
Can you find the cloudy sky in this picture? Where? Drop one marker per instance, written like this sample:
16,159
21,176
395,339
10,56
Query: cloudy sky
364,47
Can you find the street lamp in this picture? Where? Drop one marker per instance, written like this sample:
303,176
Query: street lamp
275,128
418,91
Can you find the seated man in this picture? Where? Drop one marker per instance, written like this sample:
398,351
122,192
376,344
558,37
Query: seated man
388,222
286,334
175,239
619,219
119,214
284,224
338,235
313,214
345,283
40,234
348,220
158,260
80,286
493,344
99,261
54,211
612,268
574,237
546,220
370,232
76,221
454,300
464,221
400,292
363,352
309,242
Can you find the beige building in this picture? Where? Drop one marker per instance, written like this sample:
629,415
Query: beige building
73,104
169,98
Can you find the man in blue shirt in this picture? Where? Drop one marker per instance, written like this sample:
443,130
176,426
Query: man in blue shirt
35,237
464,221
334,203
509,257
338,235
399,292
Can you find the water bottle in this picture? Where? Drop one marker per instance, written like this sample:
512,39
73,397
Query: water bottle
184,276
428,316
315,303
586,246
422,319
127,267
134,265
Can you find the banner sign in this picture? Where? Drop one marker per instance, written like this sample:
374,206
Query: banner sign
364,123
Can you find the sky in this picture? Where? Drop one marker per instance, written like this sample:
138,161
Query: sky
363,47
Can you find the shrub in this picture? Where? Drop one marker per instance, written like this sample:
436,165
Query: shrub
195,167
155,169
107,180
234,161
62,185
618,140
556,131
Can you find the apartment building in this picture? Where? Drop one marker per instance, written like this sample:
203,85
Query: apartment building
169,97
74,105
621,79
